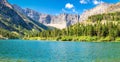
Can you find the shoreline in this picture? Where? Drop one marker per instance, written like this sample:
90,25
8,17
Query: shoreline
77,39
72,39
41,40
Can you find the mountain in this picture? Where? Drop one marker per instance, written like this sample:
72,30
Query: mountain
13,21
114,8
99,9
28,12
64,20
59,21
99,27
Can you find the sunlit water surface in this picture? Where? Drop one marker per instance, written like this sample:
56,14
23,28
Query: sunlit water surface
49,51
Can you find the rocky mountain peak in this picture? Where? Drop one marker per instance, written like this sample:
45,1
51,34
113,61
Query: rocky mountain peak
99,9
60,21
114,8
5,2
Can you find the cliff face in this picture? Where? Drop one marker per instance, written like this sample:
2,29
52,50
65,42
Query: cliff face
59,21
100,9
114,8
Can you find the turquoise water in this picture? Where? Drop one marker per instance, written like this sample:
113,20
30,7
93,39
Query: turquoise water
46,51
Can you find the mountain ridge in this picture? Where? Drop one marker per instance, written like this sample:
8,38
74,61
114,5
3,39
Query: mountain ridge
64,20
13,21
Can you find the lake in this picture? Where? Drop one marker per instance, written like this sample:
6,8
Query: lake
47,51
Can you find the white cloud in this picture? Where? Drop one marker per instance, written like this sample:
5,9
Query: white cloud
96,2
83,2
69,6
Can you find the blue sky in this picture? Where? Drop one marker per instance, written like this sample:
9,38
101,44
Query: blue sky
59,6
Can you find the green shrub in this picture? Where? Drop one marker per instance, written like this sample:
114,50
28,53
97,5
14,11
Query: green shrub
117,39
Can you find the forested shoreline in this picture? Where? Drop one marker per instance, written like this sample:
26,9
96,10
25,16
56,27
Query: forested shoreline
80,32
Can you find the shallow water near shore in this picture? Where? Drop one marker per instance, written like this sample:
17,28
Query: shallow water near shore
48,51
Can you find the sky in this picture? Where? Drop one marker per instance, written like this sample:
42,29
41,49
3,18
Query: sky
60,6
